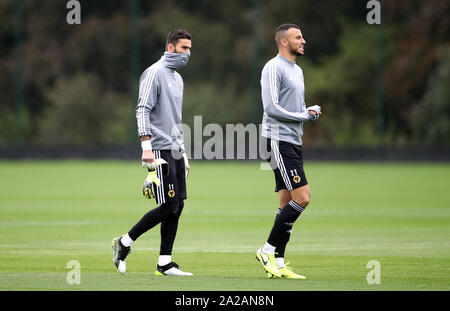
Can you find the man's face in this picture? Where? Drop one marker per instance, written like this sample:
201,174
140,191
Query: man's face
181,47
295,41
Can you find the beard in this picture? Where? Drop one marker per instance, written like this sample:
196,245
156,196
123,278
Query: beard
295,51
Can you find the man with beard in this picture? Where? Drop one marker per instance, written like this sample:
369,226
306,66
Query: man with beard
158,115
282,92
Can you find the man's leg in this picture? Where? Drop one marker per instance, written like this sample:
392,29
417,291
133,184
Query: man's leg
282,231
289,214
302,196
169,227
294,195
284,197
168,233
152,218
122,245
167,176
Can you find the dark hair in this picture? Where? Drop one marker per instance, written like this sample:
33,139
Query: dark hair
177,34
286,27
279,32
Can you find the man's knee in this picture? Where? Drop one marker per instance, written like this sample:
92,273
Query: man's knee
176,208
170,209
303,197
303,202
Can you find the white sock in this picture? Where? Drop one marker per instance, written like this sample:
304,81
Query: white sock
126,240
268,249
164,260
280,262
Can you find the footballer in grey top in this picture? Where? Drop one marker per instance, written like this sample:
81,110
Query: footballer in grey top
158,112
158,115
283,97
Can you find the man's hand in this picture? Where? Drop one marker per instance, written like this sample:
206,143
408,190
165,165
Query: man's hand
313,115
314,111
148,156
187,168
151,166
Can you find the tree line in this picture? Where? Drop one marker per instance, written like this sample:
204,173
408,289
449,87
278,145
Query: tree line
381,84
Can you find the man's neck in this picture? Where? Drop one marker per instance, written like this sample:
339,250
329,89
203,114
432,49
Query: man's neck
287,55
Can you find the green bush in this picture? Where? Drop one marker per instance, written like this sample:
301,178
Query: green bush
81,113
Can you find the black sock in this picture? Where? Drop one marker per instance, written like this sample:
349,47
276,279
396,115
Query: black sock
152,218
169,230
280,234
284,239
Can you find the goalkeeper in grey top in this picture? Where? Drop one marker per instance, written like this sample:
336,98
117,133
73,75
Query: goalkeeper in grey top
283,97
159,116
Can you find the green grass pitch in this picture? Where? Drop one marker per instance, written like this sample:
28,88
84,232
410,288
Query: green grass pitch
52,212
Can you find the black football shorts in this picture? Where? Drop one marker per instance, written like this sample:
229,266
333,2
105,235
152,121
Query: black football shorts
288,161
172,177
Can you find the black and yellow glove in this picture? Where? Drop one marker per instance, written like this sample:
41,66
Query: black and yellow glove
152,178
147,189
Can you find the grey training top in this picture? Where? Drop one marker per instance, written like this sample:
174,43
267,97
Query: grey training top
158,112
283,97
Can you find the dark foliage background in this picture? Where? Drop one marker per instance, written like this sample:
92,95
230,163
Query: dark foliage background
64,84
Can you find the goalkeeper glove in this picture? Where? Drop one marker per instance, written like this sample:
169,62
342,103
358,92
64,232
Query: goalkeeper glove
147,189
187,168
152,178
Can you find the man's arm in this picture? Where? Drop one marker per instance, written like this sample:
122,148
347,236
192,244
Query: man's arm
270,89
148,95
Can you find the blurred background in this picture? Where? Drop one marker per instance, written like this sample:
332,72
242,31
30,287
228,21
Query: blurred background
74,87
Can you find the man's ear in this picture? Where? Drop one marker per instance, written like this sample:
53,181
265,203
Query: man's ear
170,48
283,41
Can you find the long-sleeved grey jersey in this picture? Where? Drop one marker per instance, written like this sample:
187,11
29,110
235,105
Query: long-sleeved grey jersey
283,97
159,107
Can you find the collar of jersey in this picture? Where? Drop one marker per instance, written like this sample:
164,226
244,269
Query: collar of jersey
286,60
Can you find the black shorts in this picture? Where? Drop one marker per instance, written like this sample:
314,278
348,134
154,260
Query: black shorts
172,177
288,161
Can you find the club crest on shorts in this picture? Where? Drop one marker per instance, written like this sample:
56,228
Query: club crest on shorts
297,179
171,193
